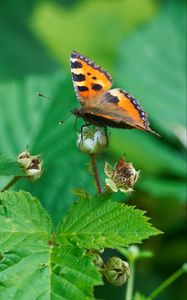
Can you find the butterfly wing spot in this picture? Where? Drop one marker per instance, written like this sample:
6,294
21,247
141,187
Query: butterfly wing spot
82,88
97,86
78,77
111,98
101,106
90,80
76,64
76,55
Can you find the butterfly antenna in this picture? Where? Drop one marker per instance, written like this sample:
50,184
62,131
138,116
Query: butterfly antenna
67,117
41,95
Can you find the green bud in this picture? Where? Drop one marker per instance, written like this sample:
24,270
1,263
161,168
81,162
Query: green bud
117,271
134,253
184,267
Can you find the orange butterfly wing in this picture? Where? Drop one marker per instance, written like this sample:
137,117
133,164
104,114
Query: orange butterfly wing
90,80
120,109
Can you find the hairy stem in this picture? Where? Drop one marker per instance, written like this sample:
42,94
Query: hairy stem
10,183
166,283
95,172
130,282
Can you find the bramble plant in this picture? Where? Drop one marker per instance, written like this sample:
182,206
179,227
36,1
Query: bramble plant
38,261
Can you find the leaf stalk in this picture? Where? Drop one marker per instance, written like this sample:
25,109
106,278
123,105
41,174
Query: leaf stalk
10,183
130,282
166,283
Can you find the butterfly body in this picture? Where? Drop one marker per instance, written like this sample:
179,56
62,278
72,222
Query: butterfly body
98,120
100,105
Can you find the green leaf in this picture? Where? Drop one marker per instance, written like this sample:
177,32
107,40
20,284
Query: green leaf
22,221
120,18
154,157
9,167
151,66
32,266
26,119
98,223
156,72
22,53
74,273
168,188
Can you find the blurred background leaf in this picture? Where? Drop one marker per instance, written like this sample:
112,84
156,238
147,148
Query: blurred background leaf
94,27
152,64
142,43
64,167
21,52
9,167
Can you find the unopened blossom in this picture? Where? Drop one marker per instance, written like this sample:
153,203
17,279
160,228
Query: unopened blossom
117,271
92,140
122,177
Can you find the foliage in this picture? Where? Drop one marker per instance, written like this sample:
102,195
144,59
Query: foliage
91,26
58,266
45,136
101,223
141,43
30,258
9,167
161,89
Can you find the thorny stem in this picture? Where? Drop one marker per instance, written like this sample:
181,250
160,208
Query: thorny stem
167,282
130,282
95,172
10,183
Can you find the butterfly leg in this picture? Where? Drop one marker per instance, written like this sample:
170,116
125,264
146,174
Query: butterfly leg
75,124
106,135
82,129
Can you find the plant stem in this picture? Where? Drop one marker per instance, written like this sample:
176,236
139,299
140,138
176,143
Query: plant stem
10,183
166,283
130,282
95,172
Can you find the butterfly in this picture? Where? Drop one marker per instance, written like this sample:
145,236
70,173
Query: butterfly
100,105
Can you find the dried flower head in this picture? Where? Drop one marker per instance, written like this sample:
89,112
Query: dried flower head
122,177
32,165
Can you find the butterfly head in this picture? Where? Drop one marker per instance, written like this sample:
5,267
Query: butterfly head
77,112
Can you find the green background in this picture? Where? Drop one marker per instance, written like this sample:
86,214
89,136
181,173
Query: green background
142,44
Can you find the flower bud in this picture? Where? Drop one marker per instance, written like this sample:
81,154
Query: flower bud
134,253
117,271
32,165
122,177
92,140
184,267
